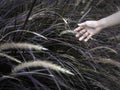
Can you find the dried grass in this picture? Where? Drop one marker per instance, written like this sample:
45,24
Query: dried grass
21,46
45,64
108,61
67,32
26,31
49,17
104,47
10,57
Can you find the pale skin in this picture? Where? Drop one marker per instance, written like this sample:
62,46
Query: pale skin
87,29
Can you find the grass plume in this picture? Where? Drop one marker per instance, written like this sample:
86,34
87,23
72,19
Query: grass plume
104,47
108,61
67,32
46,64
21,46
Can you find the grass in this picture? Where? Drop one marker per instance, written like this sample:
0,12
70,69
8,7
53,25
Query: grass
43,64
39,46
21,46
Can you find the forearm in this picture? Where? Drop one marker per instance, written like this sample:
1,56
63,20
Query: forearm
109,21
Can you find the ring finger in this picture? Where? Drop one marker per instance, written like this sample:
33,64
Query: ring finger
84,36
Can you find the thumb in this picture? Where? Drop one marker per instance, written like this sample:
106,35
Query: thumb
91,23
82,24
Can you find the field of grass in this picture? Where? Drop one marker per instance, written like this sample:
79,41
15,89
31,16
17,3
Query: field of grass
39,51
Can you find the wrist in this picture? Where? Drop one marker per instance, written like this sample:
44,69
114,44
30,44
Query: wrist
101,24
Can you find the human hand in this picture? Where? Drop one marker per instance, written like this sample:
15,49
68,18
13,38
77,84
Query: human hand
87,29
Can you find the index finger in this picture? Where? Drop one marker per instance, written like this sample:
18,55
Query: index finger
78,29
81,26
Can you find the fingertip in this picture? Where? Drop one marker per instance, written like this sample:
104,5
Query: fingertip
74,30
76,35
77,29
85,40
80,39
81,24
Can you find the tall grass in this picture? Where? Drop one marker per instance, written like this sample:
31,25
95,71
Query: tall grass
32,31
43,64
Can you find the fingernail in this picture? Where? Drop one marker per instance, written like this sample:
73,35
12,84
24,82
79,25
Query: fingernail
76,35
80,25
85,40
74,30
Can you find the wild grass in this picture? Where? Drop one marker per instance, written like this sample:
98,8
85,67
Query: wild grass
21,46
46,26
108,61
26,31
10,57
45,64
67,32
103,47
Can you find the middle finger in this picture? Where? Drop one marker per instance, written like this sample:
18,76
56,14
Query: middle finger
81,33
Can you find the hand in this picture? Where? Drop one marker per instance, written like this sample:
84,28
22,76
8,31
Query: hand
87,29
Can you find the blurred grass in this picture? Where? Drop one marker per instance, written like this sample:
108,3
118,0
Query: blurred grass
95,64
